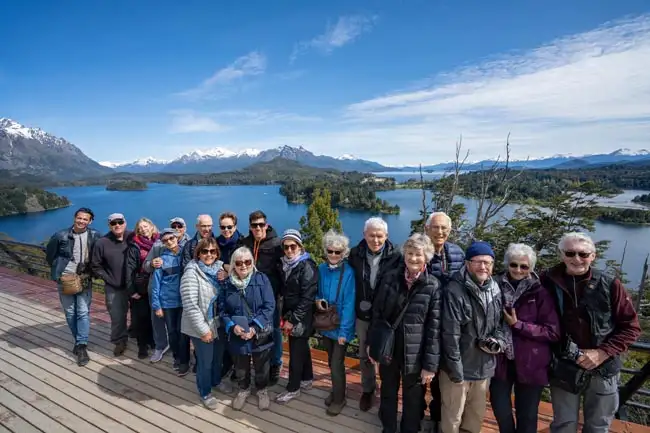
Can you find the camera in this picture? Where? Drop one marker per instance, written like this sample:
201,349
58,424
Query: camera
489,345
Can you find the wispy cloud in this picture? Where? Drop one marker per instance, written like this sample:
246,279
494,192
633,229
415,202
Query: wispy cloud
345,31
185,121
251,65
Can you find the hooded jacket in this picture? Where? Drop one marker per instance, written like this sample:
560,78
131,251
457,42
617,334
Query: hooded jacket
267,254
166,282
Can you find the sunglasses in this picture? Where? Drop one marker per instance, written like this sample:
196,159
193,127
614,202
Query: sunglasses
116,223
520,266
336,253
257,225
177,226
292,247
240,263
212,251
168,239
226,227
581,254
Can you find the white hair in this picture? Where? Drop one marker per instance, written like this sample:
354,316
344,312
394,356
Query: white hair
576,237
437,214
375,223
241,253
332,239
520,250
422,242
198,218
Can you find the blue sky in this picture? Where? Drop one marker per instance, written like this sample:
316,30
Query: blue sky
395,82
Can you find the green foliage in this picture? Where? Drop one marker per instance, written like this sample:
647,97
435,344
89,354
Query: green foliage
643,198
126,185
320,218
624,216
19,200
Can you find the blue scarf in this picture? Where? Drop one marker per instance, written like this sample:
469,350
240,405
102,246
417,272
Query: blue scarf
227,246
211,271
289,264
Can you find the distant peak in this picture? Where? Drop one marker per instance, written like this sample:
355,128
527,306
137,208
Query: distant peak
347,156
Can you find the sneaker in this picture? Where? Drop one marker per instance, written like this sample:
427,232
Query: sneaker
336,408
183,369
239,401
263,399
224,387
329,399
120,348
209,402
176,365
158,355
366,401
274,375
143,352
82,355
306,384
287,396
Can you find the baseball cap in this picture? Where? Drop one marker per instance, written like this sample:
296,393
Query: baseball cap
115,216
177,220
167,231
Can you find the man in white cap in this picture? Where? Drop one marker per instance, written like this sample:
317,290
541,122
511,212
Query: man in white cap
108,263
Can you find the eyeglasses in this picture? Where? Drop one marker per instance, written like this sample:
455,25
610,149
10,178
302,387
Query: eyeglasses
168,239
485,263
205,226
336,253
226,227
581,254
520,266
205,251
292,247
240,263
440,228
116,223
177,226
258,225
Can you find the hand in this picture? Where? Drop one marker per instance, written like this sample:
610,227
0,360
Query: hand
238,331
251,334
592,358
159,312
510,319
288,326
342,340
372,361
157,262
222,275
426,376
136,296
206,338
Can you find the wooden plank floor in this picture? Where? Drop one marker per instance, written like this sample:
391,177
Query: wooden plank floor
43,390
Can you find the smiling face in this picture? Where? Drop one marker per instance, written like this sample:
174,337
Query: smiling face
577,256
415,259
145,229
170,241
81,221
438,231
243,266
227,227
208,254
480,267
204,226
334,254
258,228
519,268
375,238
180,229
291,248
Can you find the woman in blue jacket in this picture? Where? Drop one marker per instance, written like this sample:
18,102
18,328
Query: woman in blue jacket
166,299
246,306
336,286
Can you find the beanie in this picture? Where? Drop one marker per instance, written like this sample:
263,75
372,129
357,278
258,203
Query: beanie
292,234
479,248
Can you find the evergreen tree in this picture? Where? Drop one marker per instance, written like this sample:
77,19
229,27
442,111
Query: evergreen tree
320,218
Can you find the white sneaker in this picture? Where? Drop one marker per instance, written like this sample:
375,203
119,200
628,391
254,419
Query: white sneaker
209,402
158,355
306,384
287,396
263,401
239,401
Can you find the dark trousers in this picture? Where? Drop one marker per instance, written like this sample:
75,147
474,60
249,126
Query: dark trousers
141,320
117,304
435,406
228,361
262,365
412,392
208,363
336,362
527,399
179,343
300,367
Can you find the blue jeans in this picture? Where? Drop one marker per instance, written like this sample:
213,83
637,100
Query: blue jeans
276,360
159,331
208,363
178,342
77,313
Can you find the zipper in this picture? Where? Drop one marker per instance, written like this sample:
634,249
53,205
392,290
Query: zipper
575,296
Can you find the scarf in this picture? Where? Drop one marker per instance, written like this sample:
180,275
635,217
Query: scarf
145,245
239,283
229,242
334,267
289,264
211,271
511,291
411,278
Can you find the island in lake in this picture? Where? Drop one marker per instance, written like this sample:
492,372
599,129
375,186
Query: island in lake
643,199
16,200
126,185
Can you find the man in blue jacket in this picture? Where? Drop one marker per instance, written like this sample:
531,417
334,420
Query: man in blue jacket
68,253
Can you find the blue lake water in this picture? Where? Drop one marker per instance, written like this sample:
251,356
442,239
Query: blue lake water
162,202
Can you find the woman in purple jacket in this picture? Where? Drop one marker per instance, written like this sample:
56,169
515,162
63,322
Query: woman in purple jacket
531,325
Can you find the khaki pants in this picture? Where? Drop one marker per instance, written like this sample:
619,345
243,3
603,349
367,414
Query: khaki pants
463,405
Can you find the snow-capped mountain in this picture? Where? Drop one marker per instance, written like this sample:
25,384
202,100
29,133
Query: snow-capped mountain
34,151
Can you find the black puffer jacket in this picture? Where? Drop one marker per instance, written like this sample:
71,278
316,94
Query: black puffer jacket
299,292
267,254
420,325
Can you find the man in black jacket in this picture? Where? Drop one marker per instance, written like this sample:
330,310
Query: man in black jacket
203,230
371,259
68,253
109,263
266,247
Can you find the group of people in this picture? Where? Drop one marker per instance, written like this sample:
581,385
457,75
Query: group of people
428,317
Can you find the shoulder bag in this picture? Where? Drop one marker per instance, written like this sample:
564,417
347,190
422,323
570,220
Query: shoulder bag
381,338
262,335
326,318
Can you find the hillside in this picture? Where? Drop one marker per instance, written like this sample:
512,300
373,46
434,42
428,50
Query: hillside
20,200
126,185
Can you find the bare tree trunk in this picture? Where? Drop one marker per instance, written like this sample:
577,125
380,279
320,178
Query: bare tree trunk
642,284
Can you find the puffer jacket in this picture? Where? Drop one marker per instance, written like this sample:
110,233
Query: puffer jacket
166,282
328,282
454,257
299,293
60,249
470,313
261,303
420,326
197,293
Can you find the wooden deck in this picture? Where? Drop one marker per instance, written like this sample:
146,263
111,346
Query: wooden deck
43,390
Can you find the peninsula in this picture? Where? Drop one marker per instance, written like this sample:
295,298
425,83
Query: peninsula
16,200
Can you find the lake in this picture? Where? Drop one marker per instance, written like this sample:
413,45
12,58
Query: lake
162,202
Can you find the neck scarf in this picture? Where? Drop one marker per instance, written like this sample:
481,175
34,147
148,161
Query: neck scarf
145,245
232,240
211,271
410,277
241,284
289,264
334,267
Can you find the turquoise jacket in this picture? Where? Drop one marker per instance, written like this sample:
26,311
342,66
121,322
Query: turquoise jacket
328,281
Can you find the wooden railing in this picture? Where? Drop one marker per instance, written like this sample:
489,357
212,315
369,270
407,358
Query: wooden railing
634,397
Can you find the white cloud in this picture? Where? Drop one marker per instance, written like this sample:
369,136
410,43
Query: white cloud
187,121
251,65
345,31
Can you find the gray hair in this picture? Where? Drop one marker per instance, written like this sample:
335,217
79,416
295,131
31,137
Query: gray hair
520,250
422,242
332,239
198,218
436,214
576,237
375,223
240,253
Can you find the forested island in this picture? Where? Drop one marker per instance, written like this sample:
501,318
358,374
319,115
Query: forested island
25,199
643,199
126,185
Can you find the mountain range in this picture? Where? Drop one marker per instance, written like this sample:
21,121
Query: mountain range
33,152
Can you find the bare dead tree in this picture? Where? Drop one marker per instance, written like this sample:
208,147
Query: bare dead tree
425,207
444,201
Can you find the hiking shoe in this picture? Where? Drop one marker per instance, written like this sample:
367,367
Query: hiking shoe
120,348
158,355
82,355
143,352
224,387
239,401
366,401
336,408
287,396
209,402
306,384
329,399
183,369
263,401
274,375
74,349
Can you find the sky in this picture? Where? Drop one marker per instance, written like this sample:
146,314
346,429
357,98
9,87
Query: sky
393,82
